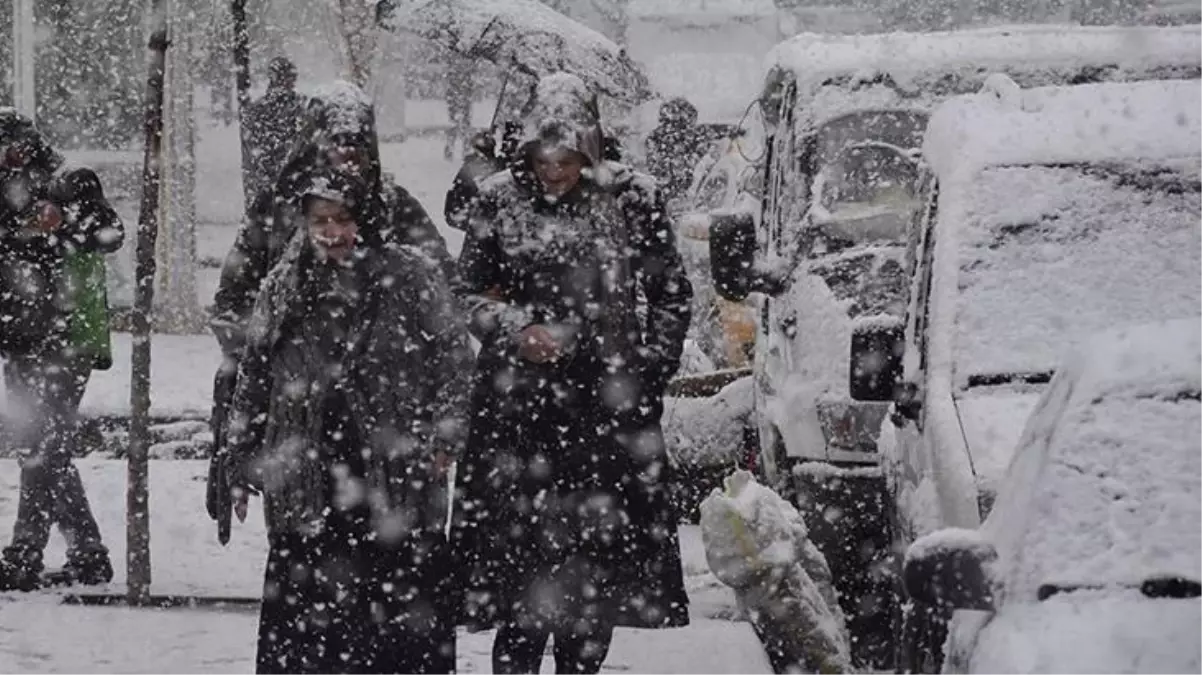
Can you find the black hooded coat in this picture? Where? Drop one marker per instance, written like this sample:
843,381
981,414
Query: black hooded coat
564,508
340,115
35,261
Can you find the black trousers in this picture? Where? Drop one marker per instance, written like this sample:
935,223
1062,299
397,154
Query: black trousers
44,391
338,602
577,649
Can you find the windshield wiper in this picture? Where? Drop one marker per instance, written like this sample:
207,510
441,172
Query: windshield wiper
1178,588
994,379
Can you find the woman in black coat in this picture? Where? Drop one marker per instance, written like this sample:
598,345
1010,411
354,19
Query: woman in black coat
349,407
579,299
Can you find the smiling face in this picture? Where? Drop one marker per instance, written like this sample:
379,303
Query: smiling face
332,228
558,170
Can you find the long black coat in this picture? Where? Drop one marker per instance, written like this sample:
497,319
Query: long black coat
405,378
563,505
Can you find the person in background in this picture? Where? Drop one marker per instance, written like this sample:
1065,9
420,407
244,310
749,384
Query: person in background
52,219
349,408
272,124
576,292
338,132
674,147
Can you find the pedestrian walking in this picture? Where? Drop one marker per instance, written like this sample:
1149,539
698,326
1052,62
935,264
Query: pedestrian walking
577,294
272,124
349,408
54,225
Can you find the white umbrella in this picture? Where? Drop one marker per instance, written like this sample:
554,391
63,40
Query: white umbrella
526,35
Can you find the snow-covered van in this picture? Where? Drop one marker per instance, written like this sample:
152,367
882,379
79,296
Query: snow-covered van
833,253
1055,213
1091,558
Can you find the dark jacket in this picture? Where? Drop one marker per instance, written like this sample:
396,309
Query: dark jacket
89,225
565,480
402,377
674,147
272,124
477,166
275,214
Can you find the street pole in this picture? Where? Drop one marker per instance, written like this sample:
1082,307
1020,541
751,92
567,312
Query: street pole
137,499
24,39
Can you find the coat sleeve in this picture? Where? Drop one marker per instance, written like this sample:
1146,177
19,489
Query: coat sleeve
482,280
449,359
457,207
242,274
91,223
661,275
249,408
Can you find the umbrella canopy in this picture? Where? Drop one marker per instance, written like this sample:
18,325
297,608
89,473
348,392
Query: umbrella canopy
527,35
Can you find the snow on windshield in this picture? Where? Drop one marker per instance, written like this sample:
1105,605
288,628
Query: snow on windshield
1107,487
1049,254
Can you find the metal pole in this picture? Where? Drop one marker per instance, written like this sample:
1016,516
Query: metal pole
137,506
24,41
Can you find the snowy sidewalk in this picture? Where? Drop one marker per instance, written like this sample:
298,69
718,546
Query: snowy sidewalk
187,559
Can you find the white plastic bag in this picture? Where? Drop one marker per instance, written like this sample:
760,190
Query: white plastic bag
757,543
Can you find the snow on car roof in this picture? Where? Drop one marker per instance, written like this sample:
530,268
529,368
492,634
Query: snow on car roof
711,9
1046,125
814,57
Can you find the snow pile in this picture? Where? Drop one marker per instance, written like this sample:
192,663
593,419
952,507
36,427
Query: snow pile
950,540
757,543
1049,255
708,431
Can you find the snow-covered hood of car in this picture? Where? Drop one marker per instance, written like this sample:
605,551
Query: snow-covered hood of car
993,421
1097,631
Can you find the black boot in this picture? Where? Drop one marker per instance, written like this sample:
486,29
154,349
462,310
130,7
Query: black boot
88,569
20,570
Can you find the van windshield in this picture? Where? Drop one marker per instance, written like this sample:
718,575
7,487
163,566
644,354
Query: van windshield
1051,254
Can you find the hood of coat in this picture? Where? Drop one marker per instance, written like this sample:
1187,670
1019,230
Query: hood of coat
18,133
564,113
337,115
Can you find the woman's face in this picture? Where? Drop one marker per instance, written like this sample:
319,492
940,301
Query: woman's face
332,229
558,170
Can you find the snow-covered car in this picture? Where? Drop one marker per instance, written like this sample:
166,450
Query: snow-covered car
1059,212
834,252
1090,559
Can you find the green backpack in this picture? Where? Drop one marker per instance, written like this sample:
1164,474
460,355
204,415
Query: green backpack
88,326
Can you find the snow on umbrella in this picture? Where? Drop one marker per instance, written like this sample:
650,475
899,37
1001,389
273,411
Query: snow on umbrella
529,36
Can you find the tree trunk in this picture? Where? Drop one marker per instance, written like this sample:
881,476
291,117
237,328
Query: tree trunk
23,44
355,27
177,309
137,504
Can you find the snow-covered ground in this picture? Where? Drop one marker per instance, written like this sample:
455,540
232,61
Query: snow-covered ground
186,558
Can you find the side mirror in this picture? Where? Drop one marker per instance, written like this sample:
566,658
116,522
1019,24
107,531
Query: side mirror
950,569
732,255
877,347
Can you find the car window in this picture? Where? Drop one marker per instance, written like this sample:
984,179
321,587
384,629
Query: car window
1050,254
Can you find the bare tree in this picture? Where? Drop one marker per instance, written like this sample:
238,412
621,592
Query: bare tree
355,36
